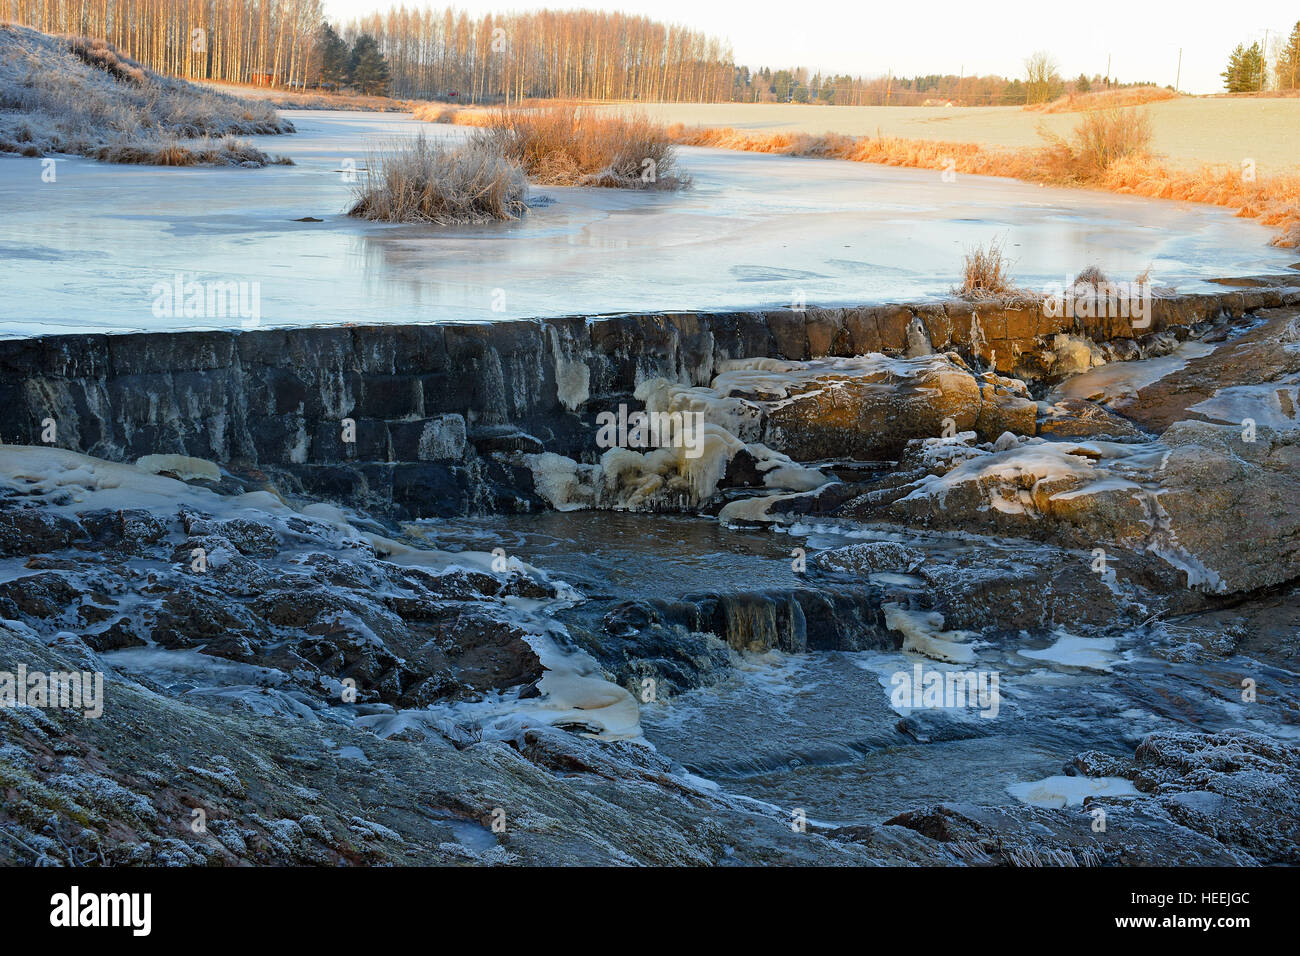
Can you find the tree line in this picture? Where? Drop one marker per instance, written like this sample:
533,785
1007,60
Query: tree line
411,53
1248,66
436,54
449,55
241,41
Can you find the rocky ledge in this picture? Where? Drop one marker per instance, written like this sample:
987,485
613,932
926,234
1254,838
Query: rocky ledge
295,671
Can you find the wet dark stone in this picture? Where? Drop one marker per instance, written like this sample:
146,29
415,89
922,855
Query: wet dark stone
34,531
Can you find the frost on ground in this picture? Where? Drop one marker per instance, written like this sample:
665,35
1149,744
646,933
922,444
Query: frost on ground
80,96
478,733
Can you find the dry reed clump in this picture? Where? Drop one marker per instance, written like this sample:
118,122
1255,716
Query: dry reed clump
1102,138
204,152
99,54
986,272
575,146
82,97
1107,152
419,181
435,112
1093,277
455,115
1104,99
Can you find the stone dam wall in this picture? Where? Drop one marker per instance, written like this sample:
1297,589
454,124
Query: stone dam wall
439,409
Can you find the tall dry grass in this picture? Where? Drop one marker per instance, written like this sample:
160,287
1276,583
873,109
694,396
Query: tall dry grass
986,272
1102,138
1104,99
1109,150
420,181
568,145
97,53
456,115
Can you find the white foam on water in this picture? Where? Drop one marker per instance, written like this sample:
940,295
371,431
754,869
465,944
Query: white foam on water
1085,653
182,466
1059,792
923,634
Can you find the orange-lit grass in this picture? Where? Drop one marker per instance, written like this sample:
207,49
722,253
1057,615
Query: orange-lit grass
1104,99
1273,200
567,145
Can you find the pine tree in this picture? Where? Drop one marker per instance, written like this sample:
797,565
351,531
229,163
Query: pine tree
333,57
1245,72
367,68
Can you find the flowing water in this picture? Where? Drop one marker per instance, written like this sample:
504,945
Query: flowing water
818,731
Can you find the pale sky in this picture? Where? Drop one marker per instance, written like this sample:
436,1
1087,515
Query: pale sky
942,36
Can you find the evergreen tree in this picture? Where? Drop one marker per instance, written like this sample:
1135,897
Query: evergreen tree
782,83
333,57
367,68
1245,72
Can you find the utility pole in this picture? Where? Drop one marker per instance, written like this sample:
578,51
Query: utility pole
1263,63
1178,79
1107,69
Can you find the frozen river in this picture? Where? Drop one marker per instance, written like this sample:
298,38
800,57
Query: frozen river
84,252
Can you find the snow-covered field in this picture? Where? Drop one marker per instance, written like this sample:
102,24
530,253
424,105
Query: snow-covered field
86,251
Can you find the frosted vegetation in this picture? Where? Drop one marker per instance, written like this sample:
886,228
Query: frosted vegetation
576,146
486,178
424,181
80,96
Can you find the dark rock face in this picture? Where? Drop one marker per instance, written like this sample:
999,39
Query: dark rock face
440,417
34,531
284,593
417,420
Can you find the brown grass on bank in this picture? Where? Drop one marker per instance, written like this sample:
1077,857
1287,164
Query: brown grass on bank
1108,151
569,145
985,272
1102,138
97,53
284,98
456,115
418,180
204,152
1104,99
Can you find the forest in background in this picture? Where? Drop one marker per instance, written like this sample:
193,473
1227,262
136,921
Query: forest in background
445,54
